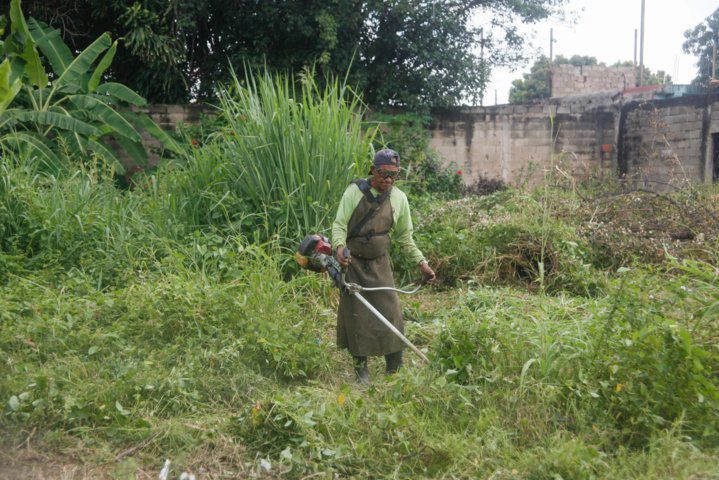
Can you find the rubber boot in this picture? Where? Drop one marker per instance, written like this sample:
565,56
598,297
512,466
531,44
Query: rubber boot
394,362
361,371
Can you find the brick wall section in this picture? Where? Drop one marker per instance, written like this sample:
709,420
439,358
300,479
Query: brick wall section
570,80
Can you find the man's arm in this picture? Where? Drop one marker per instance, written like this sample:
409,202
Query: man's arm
348,203
404,236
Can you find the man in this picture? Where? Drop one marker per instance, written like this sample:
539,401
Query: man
369,210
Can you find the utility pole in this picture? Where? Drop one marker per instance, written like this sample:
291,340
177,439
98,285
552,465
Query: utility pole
481,60
635,48
641,50
551,60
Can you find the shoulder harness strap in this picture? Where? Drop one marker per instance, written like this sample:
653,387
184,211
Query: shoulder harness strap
365,187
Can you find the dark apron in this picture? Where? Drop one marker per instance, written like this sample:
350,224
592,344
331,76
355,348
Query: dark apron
358,330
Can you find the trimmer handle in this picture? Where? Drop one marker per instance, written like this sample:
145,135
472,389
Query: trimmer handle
343,255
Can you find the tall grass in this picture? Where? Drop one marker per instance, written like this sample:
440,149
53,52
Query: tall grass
280,162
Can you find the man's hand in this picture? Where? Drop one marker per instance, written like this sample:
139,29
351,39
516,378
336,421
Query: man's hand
341,256
428,275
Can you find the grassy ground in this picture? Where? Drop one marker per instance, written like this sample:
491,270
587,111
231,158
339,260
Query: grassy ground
231,372
572,333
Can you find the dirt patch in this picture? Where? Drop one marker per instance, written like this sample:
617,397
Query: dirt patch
28,464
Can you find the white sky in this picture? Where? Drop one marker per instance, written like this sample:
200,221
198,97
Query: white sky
605,29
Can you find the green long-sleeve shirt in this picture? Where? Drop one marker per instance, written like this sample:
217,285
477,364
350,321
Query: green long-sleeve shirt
402,228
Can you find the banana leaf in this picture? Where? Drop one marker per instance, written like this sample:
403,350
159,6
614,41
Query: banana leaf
103,112
51,45
135,150
43,153
8,88
33,66
121,92
82,63
143,122
102,67
106,152
49,119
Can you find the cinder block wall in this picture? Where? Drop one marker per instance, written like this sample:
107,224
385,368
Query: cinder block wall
168,117
670,143
657,144
571,80
518,143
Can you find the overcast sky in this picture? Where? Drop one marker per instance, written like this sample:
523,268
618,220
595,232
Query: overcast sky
605,29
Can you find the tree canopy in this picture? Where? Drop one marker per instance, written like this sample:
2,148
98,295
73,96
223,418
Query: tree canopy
399,52
700,42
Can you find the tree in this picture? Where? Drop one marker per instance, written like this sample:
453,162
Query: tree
535,84
70,112
400,52
700,41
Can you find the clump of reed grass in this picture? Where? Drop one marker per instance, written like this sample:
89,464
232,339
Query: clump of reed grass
281,159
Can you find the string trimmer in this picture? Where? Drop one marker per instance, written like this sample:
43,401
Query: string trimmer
315,253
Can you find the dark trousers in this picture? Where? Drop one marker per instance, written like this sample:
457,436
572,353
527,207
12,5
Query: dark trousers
393,362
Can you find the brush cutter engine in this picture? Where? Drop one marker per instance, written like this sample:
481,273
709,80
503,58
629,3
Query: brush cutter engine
315,253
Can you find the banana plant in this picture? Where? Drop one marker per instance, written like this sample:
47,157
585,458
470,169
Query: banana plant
71,112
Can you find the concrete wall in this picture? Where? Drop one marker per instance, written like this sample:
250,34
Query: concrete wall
670,143
653,144
570,80
167,117
517,143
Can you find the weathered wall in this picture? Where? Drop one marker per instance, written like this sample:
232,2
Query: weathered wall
669,143
167,117
574,80
516,143
653,144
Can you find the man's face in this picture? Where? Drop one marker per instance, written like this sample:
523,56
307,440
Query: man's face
383,177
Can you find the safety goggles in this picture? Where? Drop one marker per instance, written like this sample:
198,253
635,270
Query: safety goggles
387,173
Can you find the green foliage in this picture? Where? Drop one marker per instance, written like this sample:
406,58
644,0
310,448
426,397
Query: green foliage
121,326
281,160
399,52
138,325
488,238
406,133
625,366
430,177
74,115
700,42
660,77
